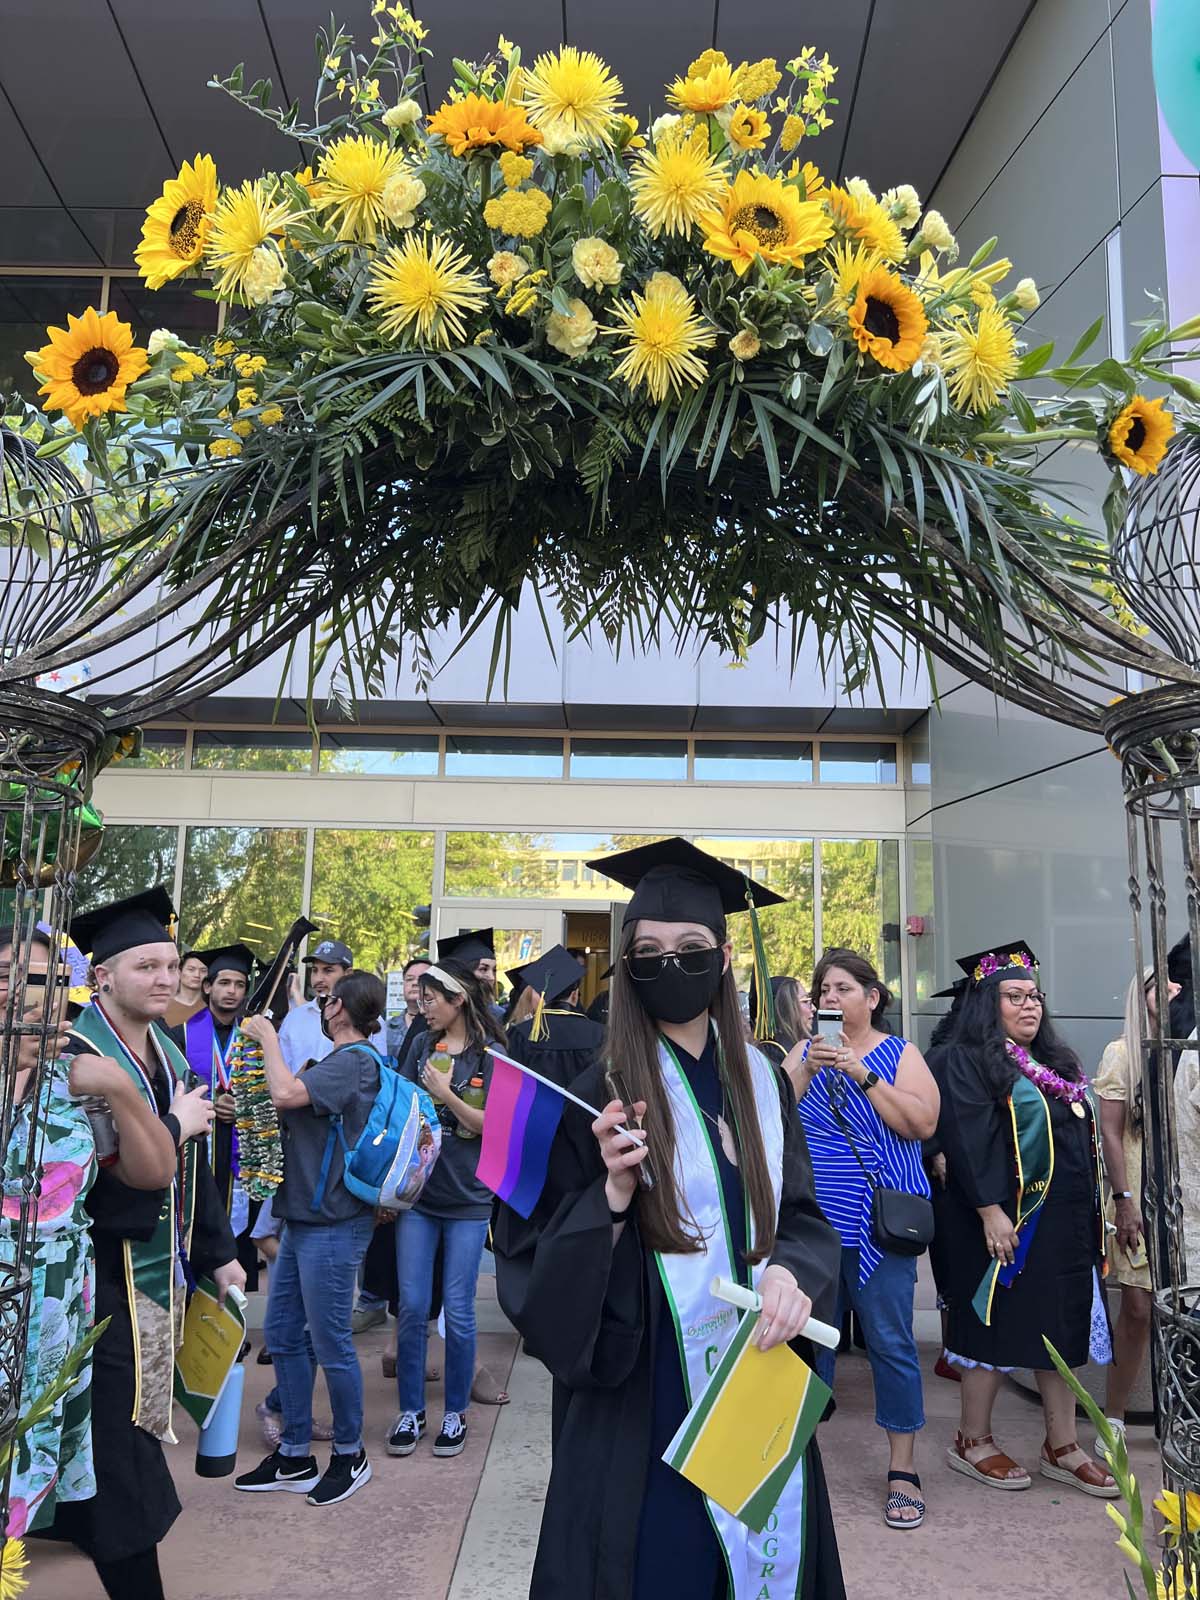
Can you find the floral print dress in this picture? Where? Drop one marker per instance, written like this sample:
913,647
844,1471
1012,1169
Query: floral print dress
53,1460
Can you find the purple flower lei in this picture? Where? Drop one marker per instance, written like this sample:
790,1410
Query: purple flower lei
1042,1077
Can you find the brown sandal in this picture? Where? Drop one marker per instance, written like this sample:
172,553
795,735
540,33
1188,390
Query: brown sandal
993,1470
1091,1478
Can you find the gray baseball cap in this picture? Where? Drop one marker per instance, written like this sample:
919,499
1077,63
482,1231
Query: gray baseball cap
333,951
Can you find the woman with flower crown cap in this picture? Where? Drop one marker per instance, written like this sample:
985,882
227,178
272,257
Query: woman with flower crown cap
1022,1227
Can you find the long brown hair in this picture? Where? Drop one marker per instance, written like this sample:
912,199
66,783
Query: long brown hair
481,1026
631,1047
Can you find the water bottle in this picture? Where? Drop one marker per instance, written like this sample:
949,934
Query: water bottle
474,1096
216,1448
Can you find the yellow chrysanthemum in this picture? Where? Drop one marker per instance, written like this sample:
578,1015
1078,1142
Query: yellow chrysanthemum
792,132
515,169
177,224
354,173
709,91
423,290
474,123
519,212
979,358
848,264
887,320
761,216
756,79
748,128
1138,439
665,334
13,1567
574,93
676,182
88,365
867,221
246,219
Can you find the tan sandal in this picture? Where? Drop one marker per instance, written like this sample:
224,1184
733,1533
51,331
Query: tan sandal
993,1470
1090,1478
485,1390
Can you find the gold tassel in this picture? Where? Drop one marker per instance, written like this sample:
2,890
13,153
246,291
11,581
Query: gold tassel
764,1011
539,1029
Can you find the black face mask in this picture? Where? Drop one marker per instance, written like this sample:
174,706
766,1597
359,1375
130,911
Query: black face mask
680,987
322,1001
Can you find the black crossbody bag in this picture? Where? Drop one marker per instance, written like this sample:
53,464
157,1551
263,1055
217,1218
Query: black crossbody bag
902,1223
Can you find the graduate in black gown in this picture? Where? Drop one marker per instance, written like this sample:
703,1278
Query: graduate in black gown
558,1041
1022,1240
608,1280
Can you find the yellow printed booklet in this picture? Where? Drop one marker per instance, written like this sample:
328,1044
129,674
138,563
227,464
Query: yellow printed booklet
743,1438
212,1337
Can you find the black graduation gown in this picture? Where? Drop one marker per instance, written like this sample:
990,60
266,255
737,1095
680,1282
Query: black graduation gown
571,1044
594,1313
1052,1296
135,1502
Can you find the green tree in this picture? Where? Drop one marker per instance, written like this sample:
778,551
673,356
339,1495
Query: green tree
365,884
131,857
504,866
241,883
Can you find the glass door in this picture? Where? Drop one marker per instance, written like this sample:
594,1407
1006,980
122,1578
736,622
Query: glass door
521,934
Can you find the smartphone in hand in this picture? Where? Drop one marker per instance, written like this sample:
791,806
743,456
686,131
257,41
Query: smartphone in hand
617,1086
828,1026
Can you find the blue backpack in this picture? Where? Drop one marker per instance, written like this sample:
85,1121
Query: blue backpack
396,1150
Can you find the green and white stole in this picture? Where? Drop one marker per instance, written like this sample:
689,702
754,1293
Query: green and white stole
153,1272
767,1565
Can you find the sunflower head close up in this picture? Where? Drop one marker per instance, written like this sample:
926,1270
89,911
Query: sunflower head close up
88,366
176,226
887,320
859,216
475,123
1138,438
758,216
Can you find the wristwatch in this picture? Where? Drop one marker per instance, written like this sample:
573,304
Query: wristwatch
1122,1194
871,1079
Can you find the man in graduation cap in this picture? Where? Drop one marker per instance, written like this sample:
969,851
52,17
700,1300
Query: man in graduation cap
150,1247
208,1040
475,948
558,1041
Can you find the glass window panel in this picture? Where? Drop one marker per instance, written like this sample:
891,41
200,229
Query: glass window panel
250,750
645,759
131,857
390,755
500,756
533,866
241,883
860,901
754,761
366,886
853,762
174,306
28,306
787,929
162,751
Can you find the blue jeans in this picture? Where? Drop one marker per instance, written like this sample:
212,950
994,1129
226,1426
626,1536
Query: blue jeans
273,1402
417,1237
884,1308
312,1295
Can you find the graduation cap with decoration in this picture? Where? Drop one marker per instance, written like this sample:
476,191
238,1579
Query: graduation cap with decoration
554,974
106,931
673,881
1012,959
470,947
228,958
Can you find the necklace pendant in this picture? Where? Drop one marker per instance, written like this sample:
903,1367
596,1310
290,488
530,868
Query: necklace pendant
1077,1108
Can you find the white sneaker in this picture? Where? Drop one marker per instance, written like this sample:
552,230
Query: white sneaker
1101,1451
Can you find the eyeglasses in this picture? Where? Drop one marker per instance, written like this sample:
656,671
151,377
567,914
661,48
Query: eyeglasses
645,966
1023,997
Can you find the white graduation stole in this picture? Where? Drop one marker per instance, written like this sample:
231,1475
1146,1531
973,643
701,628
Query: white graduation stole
767,1565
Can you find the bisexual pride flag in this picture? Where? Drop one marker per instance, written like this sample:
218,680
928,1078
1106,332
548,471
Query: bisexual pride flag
519,1125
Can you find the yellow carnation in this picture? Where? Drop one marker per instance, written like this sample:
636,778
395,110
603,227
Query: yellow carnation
935,231
522,213
402,115
744,346
572,335
597,265
505,268
514,169
1026,295
401,196
660,283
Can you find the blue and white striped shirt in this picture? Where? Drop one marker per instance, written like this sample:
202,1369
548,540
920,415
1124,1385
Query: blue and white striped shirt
843,1192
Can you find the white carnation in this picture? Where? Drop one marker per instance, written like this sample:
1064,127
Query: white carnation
162,339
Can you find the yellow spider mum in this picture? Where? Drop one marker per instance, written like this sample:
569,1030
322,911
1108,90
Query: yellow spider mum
748,128
88,365
423,290
574,93
354,172
1138,439
979,358
247,219
665,334
176,225
676,182
761,216
474,123
709,91
848,264
887,320
519,212
13,1566
866,220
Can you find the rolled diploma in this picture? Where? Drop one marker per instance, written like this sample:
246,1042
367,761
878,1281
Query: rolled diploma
735,1294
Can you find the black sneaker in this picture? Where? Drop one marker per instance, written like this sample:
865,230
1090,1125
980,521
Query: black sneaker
343,1476
406,1430
296,1474
452,1440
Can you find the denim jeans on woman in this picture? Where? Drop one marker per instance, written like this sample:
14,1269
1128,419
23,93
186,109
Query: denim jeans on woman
313,1280
884,1308
417,1239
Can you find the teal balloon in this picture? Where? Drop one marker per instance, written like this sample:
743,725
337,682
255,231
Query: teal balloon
1176,56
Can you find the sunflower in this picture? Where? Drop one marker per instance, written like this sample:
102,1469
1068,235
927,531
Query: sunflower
423,289
665,334
177,224
245,224
761,216
865,220
748,128
805,175
979,358
1138,439
88,365
887,320
1168,1504
709,91
676,182
354,172
474,124
572,92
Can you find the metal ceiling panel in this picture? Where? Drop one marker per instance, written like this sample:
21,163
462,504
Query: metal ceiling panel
73,86
25,182
469,29
646,45
36,236
114,234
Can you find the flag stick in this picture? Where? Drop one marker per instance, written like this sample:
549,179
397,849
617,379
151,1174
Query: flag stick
736,1294
633,1136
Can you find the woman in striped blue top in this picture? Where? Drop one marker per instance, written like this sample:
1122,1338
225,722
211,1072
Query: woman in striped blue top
879,1088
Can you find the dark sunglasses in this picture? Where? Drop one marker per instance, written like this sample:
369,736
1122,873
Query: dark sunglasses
693,963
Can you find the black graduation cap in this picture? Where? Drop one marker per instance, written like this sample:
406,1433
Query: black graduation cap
673,881
1011,956
469,948
229,958
607,973
555,973
952,993
123,924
